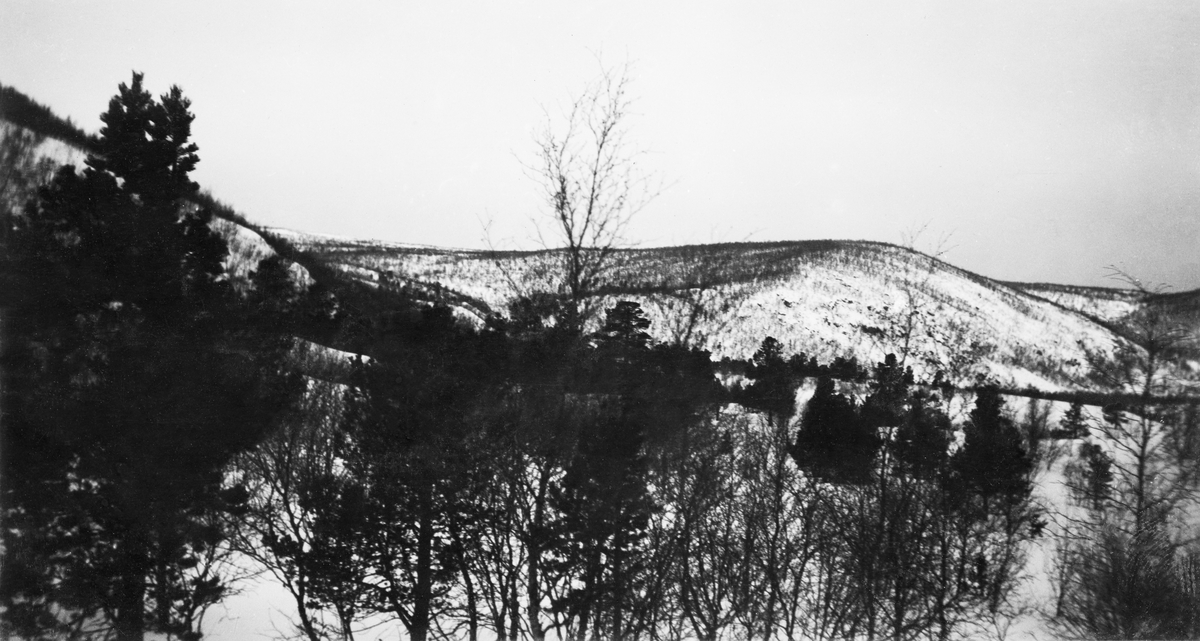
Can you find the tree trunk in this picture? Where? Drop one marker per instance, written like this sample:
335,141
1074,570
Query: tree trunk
584,616
514,605
423,590
534,607
131,591
618,596
468,584
472,607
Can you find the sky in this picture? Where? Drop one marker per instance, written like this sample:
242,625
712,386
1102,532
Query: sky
1031,141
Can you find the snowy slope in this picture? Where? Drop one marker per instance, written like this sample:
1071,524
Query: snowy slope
1105,304
822,298
246,247
1118,308
61,153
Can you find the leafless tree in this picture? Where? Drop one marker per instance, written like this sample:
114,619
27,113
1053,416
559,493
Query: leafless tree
906,324
494,555
1125,586
591,177
277,530
1155,463
1118,567
701,492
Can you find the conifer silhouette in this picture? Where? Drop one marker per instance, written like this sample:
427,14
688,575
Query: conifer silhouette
129,386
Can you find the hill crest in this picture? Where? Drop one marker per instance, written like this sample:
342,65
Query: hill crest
823,298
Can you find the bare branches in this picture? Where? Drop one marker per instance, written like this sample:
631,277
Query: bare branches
590,175
1153,327
1142,480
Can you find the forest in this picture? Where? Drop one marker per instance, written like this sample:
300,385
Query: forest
547,472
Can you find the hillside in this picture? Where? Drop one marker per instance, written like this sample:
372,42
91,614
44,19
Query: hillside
822,298
1105,304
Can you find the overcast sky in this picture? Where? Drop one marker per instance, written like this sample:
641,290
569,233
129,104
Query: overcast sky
1048,140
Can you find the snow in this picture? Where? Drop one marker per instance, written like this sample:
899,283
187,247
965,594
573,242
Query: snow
850,300
1108,305
246,250
61,153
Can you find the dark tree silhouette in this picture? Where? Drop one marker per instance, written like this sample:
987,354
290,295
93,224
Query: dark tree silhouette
128,386
922,441
1090,477
993,469
626,324
603,501
773,389
1073,424
993,461
589,173
392,527
833,441
291,478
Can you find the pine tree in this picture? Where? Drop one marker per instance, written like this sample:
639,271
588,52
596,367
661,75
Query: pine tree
923,438
602,503
886,405
605,508
619,360
833,441
774,388
1097,475
1073,424
993,461
626,324
274,301
992,482
128,386
414,413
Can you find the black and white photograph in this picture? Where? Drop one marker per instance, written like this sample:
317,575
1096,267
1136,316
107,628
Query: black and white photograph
599,321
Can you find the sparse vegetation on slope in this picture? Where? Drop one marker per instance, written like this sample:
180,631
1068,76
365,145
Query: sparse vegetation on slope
23,111
825,298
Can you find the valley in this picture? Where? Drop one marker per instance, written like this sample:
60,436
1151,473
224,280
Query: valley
309,436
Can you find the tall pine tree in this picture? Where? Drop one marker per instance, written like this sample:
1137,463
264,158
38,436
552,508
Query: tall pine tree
129,385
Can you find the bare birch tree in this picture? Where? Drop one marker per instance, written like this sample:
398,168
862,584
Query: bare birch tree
1155,462
1120,571
591,177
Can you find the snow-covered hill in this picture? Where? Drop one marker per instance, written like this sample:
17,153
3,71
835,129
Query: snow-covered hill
1102,303
822,298
246,249
61,153
246,246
